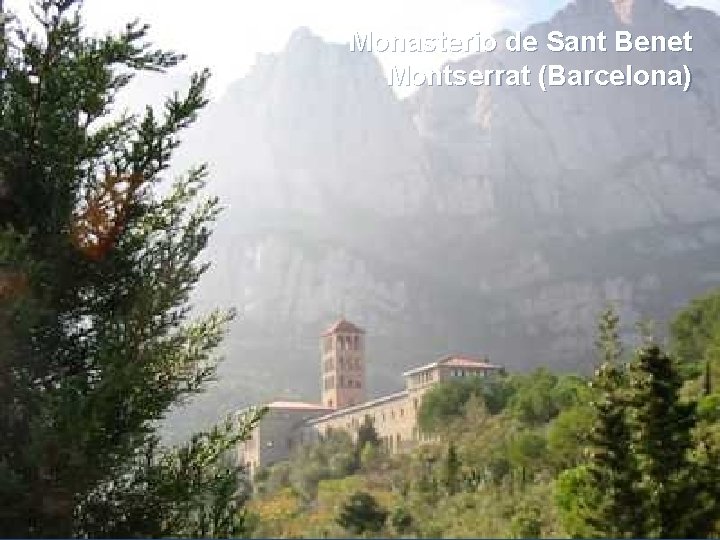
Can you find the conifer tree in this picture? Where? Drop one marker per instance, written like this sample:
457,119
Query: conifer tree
451,469
610,497
647,475
608,342
612,469
662,441
361,513
367,434
96,269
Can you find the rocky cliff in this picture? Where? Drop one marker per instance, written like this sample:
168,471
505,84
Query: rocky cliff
462,219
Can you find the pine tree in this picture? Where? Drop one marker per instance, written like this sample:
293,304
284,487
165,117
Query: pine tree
611,468
367,434
646,476
608,496
608,342
662,442
451,469
96,269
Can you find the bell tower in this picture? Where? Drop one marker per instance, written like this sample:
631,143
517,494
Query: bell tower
342,349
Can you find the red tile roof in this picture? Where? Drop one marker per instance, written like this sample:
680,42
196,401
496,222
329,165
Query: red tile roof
455,361
464,362
343,326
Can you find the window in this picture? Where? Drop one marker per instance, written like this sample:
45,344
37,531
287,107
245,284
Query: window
356,343
415,403
402,412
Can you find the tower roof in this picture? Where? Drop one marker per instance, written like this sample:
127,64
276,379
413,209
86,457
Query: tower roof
344,326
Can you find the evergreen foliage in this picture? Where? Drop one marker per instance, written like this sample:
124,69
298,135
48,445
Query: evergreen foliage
367,433
361,514
608,343
695,339
98,259
96,271
626,453
451,470
402,520
642,478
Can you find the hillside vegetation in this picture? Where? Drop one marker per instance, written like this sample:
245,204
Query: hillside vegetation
631,451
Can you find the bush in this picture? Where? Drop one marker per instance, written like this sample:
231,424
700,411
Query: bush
402,520
361,513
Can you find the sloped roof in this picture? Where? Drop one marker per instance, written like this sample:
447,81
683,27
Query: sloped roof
460,361
298,406
343,326
455,361
361,406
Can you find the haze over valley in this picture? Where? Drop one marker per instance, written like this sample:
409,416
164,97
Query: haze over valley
478,220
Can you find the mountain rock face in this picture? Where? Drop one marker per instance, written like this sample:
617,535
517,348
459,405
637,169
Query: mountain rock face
489,220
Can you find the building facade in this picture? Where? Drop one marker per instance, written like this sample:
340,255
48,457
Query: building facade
344,406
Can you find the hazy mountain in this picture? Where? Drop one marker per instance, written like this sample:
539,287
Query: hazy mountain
464,219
